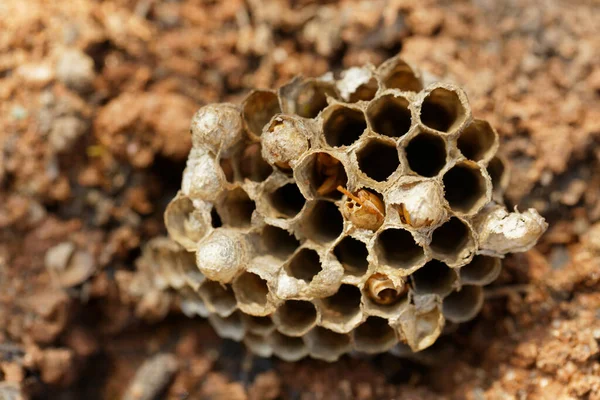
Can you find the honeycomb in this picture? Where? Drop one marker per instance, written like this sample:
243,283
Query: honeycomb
337,216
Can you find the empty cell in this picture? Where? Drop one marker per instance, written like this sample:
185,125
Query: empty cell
450,238
227,167
364,92
193,276
497,172
399,75
324,223
230,327
435,277
477,141
304,265
397,248
327,345
312,99
287,200
191,304
352,254
463,305
252,165
215,218
185,224
465,188
342,126
378,160
279,242
258,109
288,348
481,271
251,290
237,209
326,174
343,305
426,154
259,345
374,336
218,297
295,317
390,116
259,325
442,110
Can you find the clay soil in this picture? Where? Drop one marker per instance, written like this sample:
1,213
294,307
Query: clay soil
95,102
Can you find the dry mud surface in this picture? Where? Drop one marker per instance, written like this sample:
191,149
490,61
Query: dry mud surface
95,103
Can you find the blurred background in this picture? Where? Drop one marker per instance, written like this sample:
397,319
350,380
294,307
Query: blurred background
95,103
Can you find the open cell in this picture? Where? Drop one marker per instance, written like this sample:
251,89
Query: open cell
435,277
451,238
426,154
327,345
259,345
279,242
326,173
465,188
311,98
352,254
399,75
288,348
343,305
364,92
229,327
463,305
304,265
192,275
237,207
251,291
218,297
374,336
482,270
497,171
397,248
295,317
390,116
252,165
378,160
442,110
215,218
259,325
287,200
477,141
342,126
324,222
258,109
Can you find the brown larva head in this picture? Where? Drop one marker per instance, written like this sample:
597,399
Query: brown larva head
364,209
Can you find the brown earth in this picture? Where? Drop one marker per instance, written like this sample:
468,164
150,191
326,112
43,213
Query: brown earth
95,101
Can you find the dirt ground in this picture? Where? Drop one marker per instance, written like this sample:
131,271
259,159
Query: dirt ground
95,102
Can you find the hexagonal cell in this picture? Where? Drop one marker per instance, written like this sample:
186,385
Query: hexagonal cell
323,173
452,240
288,348
306,97
478,141
259,345
465,188
252,165
230,327
258,109
295,317
251,293
397,248
236,209
259,325
397,74
378,160
342,125
327,345
463,305
279,242
498,173
352,254
482,270
435,277
384,296
287,200
374,335
304,265
341,312
442,110
191,304
364,209
426,154
324,222
192,275
390,115
185,224
218,298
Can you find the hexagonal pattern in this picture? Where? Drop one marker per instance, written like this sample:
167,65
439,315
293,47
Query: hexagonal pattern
350,215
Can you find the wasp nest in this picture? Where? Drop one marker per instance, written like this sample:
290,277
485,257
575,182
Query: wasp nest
344,215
